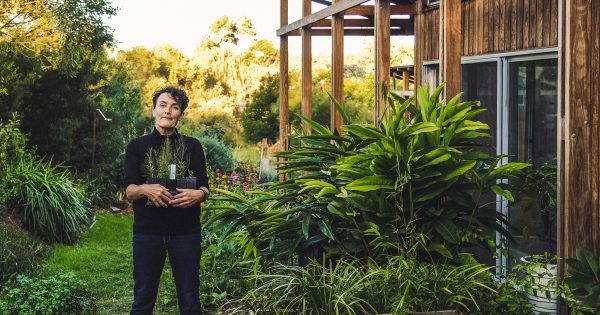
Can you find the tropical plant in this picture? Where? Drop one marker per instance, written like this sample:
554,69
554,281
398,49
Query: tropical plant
583,278
539,184
359,193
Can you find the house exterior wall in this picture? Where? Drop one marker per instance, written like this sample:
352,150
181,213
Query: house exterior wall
495,26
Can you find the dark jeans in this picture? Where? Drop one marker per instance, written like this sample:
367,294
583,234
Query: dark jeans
149,253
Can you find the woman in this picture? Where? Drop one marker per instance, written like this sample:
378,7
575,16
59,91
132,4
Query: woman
170,223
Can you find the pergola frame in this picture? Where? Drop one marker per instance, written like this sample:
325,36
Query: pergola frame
354,18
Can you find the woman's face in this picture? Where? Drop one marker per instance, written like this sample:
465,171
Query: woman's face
166,113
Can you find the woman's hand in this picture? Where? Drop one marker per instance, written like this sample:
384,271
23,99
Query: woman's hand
186,197
158,194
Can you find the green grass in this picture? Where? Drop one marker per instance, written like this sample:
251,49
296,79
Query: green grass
103,259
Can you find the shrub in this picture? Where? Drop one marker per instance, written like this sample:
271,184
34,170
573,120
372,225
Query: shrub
20,253
50,204
59,294
401,285
218,154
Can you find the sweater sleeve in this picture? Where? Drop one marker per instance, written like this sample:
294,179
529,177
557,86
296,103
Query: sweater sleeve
131,168
198,164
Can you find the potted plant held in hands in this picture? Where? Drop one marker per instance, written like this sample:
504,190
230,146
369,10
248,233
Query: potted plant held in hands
167,166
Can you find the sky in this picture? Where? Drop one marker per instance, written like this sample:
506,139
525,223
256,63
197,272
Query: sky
183,23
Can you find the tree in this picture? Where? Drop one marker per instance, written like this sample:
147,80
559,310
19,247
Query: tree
258,118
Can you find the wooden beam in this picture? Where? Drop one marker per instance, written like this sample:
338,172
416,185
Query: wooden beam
403,23
306,67
369,10
323,2
353,32
450,46
284,83
334,8
382,54
337,68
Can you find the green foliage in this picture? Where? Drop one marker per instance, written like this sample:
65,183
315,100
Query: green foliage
363,193
60,294
218,154
158,161
223,270
50,204
258,118
583,278
401,285
20,253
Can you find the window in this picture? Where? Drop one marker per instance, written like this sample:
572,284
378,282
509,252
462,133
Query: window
520,95
532,130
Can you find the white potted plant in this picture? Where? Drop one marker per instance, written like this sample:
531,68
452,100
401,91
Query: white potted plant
540,282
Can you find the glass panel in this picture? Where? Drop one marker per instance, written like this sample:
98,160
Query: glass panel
532,138
431,76
479,82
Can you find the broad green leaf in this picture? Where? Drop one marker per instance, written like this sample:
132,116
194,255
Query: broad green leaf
508,169
461,168
325,229
436,161
364,132
503,192
306,224
448,230
369,183
422,127
441,249
316,126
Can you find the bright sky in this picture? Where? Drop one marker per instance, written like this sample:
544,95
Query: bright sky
183,23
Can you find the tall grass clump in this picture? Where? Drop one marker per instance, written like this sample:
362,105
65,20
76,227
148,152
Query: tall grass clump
49,202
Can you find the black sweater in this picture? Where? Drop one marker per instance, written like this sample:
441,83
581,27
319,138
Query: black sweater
156,220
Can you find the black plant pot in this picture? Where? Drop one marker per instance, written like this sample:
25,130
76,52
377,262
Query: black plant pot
172,185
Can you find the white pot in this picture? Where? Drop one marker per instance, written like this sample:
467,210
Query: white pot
542,275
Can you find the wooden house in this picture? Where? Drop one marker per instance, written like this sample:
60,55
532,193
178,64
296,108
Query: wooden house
534,64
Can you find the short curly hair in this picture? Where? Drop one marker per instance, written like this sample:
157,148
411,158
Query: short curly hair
176,93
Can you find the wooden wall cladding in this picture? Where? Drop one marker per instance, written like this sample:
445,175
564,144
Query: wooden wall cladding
582,123
493,26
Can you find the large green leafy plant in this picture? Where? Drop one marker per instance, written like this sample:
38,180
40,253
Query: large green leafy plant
366,192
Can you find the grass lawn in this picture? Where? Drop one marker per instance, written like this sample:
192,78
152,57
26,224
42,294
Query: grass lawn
103,259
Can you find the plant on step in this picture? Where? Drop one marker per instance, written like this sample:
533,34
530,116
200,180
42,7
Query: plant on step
363,192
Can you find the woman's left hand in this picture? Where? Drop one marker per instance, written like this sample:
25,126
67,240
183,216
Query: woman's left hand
186,197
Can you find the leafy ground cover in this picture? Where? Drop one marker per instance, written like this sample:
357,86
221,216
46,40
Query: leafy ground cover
103,260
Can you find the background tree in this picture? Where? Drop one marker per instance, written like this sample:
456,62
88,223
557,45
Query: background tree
258,118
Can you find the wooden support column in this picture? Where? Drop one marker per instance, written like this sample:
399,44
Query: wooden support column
406,80
581,202
306,66
284,83
382,53
337,68
418,45
450,46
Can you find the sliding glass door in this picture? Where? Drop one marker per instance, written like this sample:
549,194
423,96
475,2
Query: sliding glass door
532,138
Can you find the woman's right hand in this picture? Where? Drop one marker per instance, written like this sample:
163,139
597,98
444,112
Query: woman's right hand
158,194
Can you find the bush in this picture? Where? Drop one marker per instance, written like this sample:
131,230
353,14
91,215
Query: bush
50,204
20,253
59,294
218,154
